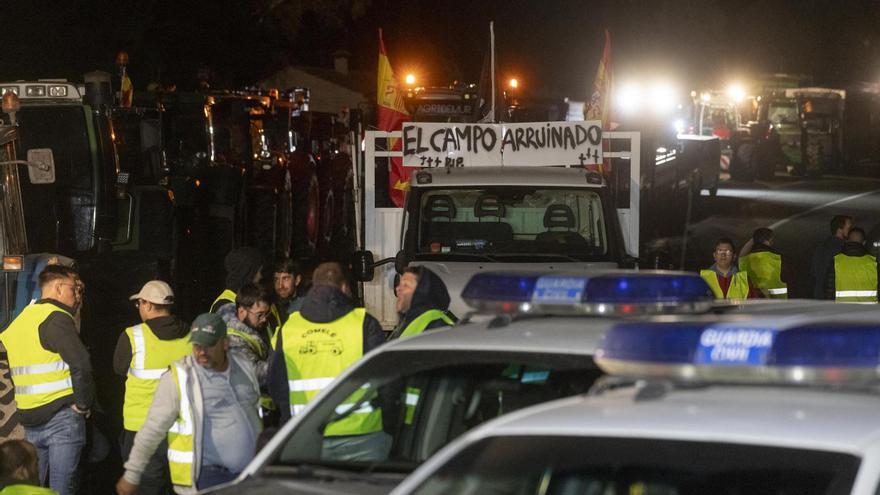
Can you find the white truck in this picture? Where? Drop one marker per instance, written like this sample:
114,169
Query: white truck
492,203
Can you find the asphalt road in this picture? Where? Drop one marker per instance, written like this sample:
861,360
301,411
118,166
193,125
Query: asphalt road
798,209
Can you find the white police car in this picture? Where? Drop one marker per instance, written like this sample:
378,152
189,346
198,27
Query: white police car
436,386
746,404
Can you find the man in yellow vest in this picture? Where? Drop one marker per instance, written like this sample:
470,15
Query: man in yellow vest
206,407
19,471
765,266
314,346
723,277
52,375
243,266
422,302
143,354
854,277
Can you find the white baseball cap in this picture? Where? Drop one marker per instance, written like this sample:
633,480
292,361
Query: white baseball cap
156,292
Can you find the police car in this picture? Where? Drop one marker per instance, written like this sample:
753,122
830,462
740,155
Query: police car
432,388
744,404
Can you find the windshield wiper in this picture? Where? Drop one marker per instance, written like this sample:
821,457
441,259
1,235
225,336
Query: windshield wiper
544,255
323,473
484,257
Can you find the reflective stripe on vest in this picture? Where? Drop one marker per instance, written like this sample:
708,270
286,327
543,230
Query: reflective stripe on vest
255,343
39,376
150,358
227,296
315,354
764,270
421,322
738,288
855,278
180,436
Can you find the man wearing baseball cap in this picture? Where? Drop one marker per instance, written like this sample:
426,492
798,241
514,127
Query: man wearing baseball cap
207,408
143,354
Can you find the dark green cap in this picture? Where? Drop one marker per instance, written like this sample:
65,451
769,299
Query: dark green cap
207,329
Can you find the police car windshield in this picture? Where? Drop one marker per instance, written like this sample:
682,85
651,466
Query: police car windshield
621,466
511,224
407,405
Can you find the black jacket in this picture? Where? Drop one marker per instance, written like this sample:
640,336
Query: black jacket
321,305
58,334
823,262
855,249
164,327
430,294
241,266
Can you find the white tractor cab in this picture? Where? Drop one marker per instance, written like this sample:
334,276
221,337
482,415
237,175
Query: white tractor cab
472,208
717,113
756,404
436,386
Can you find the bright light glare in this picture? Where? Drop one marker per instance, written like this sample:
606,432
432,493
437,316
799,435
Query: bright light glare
736,92
513,83
410,79
629,97
706,97
679,126
663,98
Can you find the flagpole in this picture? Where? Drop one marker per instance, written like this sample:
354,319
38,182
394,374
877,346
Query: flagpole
492,56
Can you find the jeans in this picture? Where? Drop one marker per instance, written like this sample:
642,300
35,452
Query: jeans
214,475
59,443
371,447
156,479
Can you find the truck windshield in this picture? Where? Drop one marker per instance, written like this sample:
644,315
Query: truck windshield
392,420
506,222
620,466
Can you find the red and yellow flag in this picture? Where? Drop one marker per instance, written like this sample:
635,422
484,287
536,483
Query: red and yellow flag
599,107
391,113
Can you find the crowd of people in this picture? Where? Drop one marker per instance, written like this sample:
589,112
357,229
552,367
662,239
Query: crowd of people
841,269
201,397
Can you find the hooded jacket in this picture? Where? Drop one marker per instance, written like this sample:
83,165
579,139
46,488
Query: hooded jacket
322,304
242,265
229,313
430,293
164,327
856,249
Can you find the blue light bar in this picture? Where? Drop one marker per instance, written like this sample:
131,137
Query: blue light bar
839,354
599,293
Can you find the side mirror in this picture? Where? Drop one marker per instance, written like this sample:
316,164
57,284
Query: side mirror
363,266
41,166
400,261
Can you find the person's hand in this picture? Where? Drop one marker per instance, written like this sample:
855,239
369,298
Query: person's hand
82,412
123,487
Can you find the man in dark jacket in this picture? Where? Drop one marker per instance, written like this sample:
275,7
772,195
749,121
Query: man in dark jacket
853,274
54,388
243,266
823,257
143,353
422,302
327,305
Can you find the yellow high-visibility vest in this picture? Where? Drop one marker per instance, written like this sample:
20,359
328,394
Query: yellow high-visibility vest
39,376
421,322
737,290
315,354
180,436
150,358
764,269
227,296
855,278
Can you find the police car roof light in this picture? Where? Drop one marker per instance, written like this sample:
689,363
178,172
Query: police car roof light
744,352
600,293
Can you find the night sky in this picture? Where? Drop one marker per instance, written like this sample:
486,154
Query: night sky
552,46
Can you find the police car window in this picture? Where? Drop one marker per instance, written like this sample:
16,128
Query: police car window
502,223
398,421
550,465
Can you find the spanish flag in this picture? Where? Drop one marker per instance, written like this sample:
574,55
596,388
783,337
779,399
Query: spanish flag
391,113
599,106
